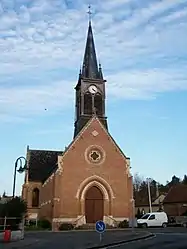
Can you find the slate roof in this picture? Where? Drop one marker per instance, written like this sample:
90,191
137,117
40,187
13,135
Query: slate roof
141,201
144,201
177,194
41,164
90,68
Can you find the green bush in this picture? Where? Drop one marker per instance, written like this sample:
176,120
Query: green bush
15,207
123,224
33,228
66,226
44,224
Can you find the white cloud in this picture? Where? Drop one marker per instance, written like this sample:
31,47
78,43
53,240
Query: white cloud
145,84
141,47
174,16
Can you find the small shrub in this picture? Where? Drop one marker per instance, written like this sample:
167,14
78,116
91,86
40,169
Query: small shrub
78,228
123,224
33,228
44,224
66,226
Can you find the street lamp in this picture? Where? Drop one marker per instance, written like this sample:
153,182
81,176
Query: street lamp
22,163
133,213
149,194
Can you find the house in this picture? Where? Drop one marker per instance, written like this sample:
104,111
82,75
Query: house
175,202
143,204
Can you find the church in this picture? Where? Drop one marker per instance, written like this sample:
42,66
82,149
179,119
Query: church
90,180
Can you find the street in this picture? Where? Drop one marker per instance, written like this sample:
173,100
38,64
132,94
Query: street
161,241
164,238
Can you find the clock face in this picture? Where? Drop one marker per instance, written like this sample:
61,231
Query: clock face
92,89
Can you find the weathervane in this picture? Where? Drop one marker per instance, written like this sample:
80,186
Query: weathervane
89,12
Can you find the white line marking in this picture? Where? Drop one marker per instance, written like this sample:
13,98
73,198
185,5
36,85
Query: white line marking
175,234
126,243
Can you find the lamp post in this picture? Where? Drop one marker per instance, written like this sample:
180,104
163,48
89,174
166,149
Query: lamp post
149,194
22,163
133,213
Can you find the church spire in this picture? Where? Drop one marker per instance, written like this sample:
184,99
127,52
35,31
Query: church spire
90,88
90,67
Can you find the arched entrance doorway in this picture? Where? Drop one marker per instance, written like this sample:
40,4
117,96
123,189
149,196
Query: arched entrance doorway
94,205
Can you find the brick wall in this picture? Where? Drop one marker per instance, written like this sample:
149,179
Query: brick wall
62,195
76,169
46,203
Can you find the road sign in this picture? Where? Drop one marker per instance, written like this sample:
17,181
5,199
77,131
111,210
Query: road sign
100,226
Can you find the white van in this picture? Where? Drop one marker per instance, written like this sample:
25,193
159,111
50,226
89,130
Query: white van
157,219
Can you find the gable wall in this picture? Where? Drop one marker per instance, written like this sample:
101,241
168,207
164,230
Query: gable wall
76,169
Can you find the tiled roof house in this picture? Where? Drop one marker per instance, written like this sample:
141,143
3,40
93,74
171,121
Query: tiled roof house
175,202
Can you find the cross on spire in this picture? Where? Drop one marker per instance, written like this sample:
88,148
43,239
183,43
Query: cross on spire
89,12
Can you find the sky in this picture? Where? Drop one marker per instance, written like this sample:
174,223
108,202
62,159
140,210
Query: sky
142,48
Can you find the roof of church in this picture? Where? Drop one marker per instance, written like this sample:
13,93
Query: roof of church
41,164
90,67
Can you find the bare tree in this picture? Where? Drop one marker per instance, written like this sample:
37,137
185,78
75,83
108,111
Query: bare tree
137,182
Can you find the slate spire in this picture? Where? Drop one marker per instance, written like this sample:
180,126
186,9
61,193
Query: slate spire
90,67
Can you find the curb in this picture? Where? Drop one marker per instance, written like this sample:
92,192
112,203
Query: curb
14,246
81,230
123,242
92,230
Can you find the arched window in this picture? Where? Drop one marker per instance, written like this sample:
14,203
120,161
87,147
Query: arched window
35,197
98,103
87,103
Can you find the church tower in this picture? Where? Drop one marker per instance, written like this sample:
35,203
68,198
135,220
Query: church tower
90,89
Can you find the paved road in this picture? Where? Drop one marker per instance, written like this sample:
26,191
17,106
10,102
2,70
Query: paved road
161,241
79,239
169,238
165,238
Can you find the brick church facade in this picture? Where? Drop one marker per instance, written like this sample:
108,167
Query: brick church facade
91,179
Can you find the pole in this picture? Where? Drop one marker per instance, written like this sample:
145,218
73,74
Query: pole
4,226
149,195
133,218
100,237
23,228
14,182
20,170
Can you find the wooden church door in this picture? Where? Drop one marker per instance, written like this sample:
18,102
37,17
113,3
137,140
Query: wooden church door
94,205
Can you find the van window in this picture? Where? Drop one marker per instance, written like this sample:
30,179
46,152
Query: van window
145,216
152,217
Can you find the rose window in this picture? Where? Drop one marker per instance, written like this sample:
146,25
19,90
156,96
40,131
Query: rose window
95,155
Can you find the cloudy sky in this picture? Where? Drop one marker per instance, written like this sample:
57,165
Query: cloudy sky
142,48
